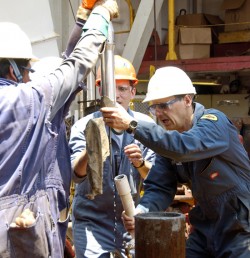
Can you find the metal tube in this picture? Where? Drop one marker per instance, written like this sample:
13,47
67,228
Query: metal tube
91,86
110,88
160,234
108,75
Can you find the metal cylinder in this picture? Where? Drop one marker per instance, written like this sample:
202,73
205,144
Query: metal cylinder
108,67
160,234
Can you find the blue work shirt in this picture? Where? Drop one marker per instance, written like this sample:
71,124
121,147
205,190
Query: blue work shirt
97,224
211,160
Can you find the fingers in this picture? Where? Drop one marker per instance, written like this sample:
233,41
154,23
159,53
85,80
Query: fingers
133,152
132,148
26,219
128,222
108,112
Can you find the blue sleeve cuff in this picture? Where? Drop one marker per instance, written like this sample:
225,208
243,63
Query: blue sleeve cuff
97,22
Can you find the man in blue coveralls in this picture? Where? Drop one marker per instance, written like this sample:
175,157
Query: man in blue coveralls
200,148
32,193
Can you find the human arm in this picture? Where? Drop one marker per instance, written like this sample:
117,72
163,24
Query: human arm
82,15
134,154
65,80
77,144
205,139
159,186
80,164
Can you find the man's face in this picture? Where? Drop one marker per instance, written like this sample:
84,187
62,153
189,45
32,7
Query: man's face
124,93
173,113
26,70
26,74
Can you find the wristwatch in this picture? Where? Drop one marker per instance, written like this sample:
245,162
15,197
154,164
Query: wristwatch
132,126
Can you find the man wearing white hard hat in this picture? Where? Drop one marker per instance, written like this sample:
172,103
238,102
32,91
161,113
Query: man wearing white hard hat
199,147
33,218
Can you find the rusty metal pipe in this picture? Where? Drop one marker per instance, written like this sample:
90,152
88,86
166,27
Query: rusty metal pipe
160,234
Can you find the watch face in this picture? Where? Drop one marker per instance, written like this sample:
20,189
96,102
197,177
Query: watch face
133,124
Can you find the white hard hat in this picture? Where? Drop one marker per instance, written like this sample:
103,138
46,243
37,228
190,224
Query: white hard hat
45,66
14,42
168,81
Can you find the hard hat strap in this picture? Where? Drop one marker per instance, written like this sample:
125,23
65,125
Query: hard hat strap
16,71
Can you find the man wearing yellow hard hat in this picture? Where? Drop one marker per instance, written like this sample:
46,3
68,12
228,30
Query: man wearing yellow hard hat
98,230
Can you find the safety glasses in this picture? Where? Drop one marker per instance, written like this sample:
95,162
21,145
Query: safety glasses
123,89
28,69
163,106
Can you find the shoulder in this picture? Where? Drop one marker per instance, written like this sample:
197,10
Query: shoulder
213,115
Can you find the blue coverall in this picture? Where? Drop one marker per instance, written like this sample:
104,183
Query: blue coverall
211,160
97,226
31,170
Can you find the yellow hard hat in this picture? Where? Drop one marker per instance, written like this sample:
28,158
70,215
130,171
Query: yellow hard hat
124,70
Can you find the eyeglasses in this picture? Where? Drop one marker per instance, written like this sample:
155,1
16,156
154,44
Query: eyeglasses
123,89
162,106
28,69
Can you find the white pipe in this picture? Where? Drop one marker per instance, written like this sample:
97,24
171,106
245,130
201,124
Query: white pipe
124,191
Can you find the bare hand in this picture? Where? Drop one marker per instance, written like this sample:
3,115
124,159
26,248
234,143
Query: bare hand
134,154
128,222
116,117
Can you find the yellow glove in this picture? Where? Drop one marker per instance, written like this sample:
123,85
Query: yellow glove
83,13
110,5
85,8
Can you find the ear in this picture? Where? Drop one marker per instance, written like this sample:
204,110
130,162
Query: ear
133,92
188,100
11,75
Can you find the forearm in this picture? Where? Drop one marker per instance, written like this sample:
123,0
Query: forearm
66,79
74,37
159,186
144,168
80,164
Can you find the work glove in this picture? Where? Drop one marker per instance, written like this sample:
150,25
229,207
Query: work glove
88,4
85,9
110,5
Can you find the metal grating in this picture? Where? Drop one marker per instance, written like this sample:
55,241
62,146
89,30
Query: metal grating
138,106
